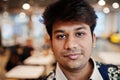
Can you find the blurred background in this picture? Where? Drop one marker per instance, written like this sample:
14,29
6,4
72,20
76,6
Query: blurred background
23,34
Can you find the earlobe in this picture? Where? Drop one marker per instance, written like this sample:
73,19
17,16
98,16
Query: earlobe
94,40
51,45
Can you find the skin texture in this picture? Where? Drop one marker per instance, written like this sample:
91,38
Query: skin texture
72,45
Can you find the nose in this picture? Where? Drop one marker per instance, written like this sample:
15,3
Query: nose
70,43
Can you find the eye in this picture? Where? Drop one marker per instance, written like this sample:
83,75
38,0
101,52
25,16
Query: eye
79,34
62,36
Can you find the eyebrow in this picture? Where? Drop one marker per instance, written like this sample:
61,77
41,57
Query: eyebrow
59,31
79,28
62,31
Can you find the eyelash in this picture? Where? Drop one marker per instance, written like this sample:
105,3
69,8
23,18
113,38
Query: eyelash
61,36
77,34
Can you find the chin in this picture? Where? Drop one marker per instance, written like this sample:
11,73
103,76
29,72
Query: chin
77,64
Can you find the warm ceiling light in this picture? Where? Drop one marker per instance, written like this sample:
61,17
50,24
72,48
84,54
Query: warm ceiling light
26,6
101,2
115,5
106,10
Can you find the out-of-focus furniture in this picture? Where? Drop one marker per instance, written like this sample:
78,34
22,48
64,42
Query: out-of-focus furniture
40,59
25,72
44,58
110,57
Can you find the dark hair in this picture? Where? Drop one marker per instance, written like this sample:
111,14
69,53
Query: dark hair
69,11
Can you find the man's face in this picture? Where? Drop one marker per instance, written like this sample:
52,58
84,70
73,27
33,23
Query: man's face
72,44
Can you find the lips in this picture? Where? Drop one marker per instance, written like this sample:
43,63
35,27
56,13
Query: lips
73,56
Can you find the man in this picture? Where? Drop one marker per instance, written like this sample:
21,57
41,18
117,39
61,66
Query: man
70,25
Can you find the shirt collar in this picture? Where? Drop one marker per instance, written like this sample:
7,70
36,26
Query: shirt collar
95,75
59,74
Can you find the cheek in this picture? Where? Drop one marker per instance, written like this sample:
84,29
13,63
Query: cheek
57,52
86,44
56,47
57,44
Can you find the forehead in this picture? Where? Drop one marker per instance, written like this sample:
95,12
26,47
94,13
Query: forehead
70,26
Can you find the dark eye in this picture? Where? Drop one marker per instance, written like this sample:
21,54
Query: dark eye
79,34
61,36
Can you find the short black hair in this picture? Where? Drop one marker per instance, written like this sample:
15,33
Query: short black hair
69,11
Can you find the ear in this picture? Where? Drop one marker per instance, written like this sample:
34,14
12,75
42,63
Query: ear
94,40
51,45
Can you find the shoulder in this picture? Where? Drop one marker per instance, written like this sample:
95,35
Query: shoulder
109,71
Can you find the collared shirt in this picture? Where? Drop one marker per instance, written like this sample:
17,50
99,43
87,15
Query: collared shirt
95,75
100,72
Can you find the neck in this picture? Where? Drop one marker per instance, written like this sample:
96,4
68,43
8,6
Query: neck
83,74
